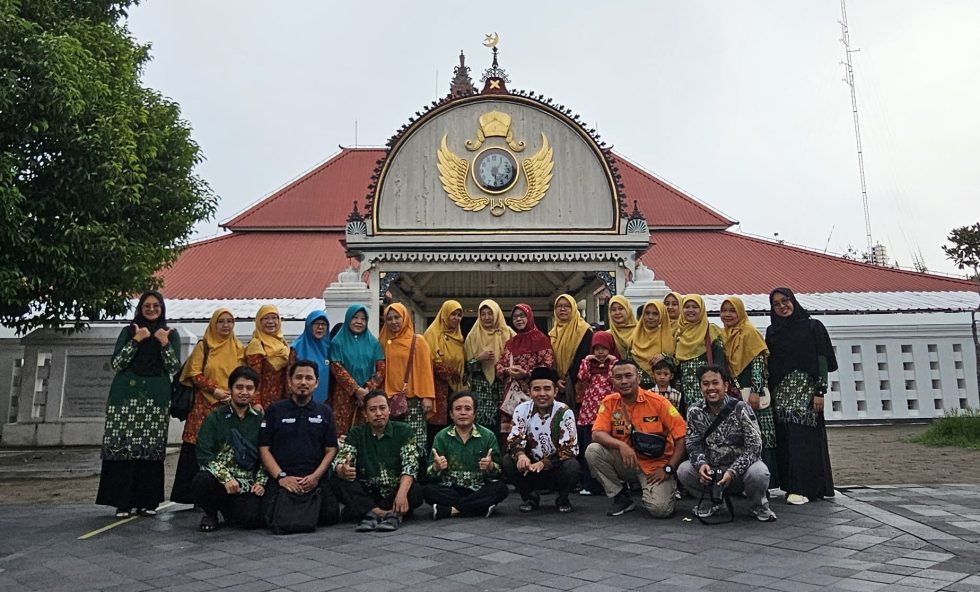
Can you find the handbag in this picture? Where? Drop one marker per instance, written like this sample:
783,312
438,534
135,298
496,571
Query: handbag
649,445
398,402
765,399
290,512
514,397
182,395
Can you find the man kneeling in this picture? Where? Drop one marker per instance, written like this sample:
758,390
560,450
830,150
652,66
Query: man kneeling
637,437
231,479
465,465
376,469
724,444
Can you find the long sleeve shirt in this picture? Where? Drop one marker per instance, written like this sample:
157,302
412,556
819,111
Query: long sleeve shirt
547,437
381,461
734,445
215,446
464,458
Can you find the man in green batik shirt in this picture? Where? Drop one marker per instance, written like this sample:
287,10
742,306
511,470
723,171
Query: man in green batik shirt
231,479
464,465
376,469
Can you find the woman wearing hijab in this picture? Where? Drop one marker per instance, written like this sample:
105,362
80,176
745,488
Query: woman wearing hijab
652,341
748,360
525,351
622,321
207,369
673,303
357,366
396,340
484,347
134,444
690,350
445,341
800,356
269,355
314,345
571,338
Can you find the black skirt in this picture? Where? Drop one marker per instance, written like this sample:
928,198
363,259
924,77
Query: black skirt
803,460
182,493
131,484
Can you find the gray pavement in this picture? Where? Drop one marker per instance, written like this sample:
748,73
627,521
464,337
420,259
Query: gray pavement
888,538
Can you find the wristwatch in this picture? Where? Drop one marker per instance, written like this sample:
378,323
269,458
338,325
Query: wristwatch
280,475
669,469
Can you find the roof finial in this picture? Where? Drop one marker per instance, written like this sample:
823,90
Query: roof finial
461,85
494,78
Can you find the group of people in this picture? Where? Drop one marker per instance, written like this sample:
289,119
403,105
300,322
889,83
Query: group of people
373,427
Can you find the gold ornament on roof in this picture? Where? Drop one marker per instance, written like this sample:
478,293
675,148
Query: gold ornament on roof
495,170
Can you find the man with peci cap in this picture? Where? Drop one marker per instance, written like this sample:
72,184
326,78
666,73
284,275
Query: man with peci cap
542,445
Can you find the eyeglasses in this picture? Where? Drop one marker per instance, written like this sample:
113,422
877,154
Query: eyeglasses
151,306
781,303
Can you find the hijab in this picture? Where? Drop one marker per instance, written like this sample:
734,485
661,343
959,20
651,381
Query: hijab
796,342
358,353
317,351
648,343
272,347
148,359
690,336
743,342
445,344
224,354
397,348
675,323
479,340
530,340
566,336
622,333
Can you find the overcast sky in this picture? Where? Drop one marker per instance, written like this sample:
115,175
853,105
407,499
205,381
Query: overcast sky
740,104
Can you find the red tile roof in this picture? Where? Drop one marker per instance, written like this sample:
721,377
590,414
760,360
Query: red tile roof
664,205
722,262
257,265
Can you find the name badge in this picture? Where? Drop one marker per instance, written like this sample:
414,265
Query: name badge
316,419
289,420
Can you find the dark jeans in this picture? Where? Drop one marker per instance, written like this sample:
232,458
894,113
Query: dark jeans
562,476
588,481
240,509
467,501
329,509
358,499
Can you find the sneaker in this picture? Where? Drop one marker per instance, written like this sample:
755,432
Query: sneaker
369,523
763,513
564,506
621,504
146,512
707,512
440,512
491,510
586,492
389,523
530,504
123,513
796,499
208,523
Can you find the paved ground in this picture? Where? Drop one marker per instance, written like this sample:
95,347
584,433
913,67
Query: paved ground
888,538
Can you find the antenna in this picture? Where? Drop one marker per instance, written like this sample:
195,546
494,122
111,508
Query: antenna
827,246
355,133
849,79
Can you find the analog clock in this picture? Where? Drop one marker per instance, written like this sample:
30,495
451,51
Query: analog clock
495,170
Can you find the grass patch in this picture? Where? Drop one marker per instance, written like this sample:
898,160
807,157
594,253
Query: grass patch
960,429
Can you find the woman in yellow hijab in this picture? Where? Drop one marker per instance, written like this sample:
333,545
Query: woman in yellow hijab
571,339
673,303
396,341
445,341
622,322
484,347
269,355
207,369
651,340
694,331
748,366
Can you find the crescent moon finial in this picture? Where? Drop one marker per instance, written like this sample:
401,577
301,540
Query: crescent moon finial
492,39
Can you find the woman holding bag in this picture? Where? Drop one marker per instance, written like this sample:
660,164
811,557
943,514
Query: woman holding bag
698,343
484,347
357,366
445,340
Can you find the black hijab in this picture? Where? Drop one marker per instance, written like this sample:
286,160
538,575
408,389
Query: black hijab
148,360
796,342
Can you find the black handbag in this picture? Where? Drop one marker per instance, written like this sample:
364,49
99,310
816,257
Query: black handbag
648,445
291,513
182,395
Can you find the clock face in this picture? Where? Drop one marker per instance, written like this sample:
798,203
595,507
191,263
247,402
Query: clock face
495,170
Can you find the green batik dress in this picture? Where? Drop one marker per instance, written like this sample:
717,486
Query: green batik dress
756,375
687,372
488,396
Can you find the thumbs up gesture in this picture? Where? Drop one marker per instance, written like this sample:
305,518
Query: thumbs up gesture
486,463
439,462
140,333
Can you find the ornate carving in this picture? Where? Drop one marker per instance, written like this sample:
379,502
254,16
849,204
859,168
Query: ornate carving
385,282
461,85
637,222
489,257
609,280
494,124
355,223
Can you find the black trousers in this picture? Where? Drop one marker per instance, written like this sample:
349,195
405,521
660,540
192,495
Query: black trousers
467,501
329,509
588,481
561,477
358,500
240,509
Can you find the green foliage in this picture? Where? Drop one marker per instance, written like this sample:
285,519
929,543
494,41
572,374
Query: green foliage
961,430
97,189
965,250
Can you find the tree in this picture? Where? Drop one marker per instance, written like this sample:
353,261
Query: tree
97,189
965,250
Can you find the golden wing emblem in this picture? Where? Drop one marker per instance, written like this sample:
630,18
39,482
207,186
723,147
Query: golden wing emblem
538,172
452,174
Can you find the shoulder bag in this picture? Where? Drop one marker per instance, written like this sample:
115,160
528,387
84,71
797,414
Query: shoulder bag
291,513
648,445
399,401
182,395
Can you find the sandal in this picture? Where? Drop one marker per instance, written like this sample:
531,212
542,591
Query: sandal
208,523
146,512
564,506
121,513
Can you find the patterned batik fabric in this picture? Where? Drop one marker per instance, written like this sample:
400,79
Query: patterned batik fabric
380,462
417,421
463,458
532,433
224,467
793,399
734,445
135,430
757,370
488,396
687,372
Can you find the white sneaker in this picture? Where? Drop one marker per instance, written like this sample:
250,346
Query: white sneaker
796,499
490,510
764,513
